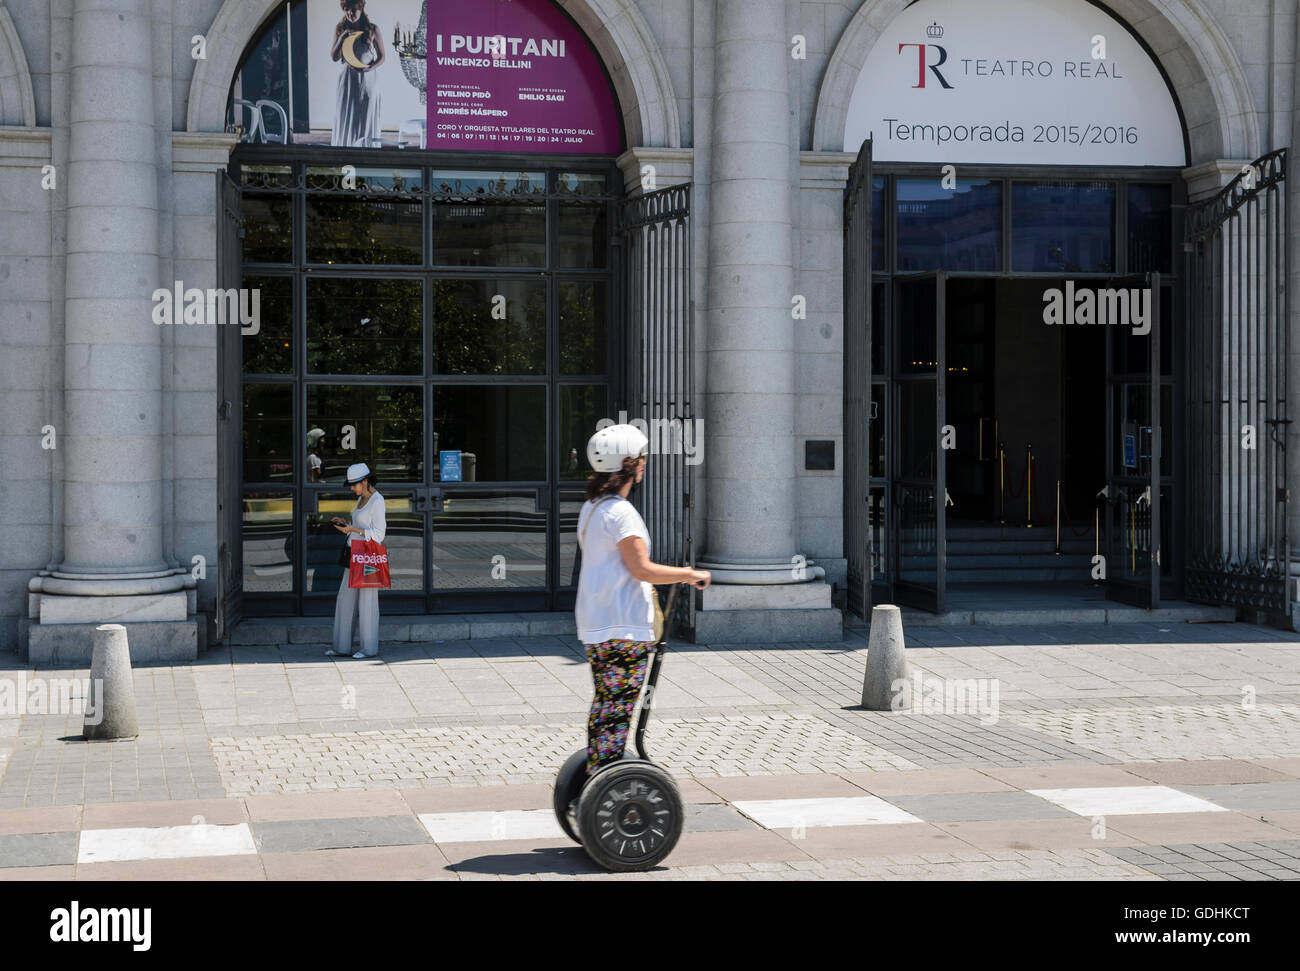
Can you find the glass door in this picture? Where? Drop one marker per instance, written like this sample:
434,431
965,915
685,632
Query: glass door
919,491
1135,447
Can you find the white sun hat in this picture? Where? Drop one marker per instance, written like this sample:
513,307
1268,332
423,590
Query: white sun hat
357,472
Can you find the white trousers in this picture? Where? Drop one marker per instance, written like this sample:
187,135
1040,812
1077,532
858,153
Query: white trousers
346,610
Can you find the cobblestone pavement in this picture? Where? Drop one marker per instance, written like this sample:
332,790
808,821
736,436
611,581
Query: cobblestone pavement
1187,736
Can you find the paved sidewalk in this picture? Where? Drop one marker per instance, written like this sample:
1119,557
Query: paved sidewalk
1135,751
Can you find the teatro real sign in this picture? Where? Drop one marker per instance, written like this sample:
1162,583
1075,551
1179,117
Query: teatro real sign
1027,82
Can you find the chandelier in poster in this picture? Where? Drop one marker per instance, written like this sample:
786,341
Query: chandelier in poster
1026,82
468,75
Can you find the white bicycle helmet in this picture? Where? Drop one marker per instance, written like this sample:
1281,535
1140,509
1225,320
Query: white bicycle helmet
607,449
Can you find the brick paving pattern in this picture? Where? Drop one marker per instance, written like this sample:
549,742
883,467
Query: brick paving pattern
247,734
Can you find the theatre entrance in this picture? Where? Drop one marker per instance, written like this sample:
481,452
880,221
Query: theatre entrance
1021,428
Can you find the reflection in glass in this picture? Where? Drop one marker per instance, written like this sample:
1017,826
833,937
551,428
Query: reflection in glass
268,229
878,217
918,552
489,541
582,328
479,184
364,326
270,350
918,434
489,327
362,178
580,184
267,537
328,549
916,334
876,522
571,501
949,229
876,458
582,242
268,433
364,232
581,406
879,326
1063,227
477,234
1150,228
500,431
326,562
382,424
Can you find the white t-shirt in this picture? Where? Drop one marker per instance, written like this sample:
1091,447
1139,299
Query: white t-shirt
612,604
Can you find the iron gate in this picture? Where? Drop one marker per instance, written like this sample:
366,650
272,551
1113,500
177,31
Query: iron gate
230,472
1236,251
857,383
656,283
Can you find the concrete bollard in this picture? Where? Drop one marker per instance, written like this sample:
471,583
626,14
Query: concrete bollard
886,662
111,681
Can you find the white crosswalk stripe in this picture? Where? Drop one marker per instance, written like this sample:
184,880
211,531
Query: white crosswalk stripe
475,827
836,811
164,843
1126,801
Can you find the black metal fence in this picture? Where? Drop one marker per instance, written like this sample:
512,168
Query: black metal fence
857,382
1237,349
654,235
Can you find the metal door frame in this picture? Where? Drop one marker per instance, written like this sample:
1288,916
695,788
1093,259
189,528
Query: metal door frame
906,592
1118,491
230,453
859,548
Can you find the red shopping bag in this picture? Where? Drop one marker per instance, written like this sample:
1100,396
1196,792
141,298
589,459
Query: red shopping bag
369,566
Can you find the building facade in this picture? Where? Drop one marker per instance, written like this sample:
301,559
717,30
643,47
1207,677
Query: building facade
840,257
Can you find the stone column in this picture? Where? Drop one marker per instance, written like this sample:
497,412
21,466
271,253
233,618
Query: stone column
750,340
113,566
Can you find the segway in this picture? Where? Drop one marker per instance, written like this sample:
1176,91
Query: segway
628,815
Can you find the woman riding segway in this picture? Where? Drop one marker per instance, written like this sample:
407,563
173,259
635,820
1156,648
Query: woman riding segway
615,616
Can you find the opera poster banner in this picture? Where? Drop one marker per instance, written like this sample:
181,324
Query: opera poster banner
478,76
516,76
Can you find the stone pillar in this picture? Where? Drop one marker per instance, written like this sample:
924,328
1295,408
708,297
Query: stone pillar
113,566
750,344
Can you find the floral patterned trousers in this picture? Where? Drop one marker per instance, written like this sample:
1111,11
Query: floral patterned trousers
618,669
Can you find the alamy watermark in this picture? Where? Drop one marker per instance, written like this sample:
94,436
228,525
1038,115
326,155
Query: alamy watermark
944,696
180,305
667,436
1093,305
83,697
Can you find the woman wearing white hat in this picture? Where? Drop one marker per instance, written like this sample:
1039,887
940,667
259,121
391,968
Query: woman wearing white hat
368,522
614,612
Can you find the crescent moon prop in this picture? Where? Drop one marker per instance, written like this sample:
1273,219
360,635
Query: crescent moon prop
349,55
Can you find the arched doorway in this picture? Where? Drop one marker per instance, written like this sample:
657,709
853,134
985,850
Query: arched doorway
1011,156
443,314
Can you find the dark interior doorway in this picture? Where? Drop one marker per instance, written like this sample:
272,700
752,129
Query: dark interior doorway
1017,385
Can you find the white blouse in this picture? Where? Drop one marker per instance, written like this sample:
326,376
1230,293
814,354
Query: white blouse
370,520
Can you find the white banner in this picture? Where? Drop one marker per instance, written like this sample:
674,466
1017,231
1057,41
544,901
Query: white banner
1026,82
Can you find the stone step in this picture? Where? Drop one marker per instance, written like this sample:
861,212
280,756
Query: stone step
1098,612
989,561
1041,545
1003,532
272,631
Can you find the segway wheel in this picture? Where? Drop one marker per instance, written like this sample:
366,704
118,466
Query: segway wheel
568,787
629,816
